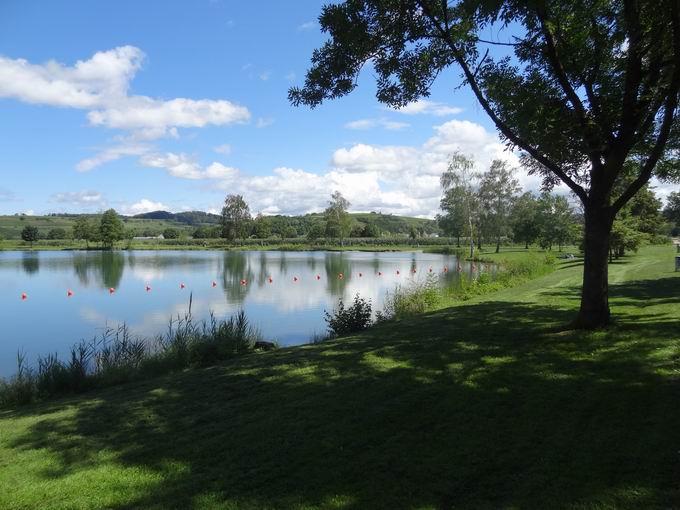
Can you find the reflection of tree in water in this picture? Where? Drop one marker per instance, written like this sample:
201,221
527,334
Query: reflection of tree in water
235,268
375,263
283,263
30,262
311,261
81,265
110,265
335,264
262,270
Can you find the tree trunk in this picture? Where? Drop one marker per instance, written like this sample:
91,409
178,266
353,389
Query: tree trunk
526,245
594,312
458,241
498,245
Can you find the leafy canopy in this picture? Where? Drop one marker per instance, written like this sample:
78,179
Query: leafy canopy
582,88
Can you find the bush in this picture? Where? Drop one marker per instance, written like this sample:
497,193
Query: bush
344,321
171,233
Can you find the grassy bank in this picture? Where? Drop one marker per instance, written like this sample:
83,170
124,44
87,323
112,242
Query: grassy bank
485,404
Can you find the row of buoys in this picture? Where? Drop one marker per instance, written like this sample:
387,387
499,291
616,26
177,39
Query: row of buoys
244,282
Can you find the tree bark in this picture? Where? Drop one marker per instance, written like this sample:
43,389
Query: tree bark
594,312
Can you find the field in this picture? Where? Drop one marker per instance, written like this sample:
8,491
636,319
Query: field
490,403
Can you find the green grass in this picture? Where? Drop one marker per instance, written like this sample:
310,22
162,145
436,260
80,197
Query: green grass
485,404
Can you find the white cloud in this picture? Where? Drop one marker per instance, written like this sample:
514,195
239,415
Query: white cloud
185,167
143,206
264,75
225,149
111,154
427,107
101,85
391,179
85,198
309,25
364,124
264,122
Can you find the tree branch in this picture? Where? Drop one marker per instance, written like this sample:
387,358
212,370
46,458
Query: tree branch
666,124
502,126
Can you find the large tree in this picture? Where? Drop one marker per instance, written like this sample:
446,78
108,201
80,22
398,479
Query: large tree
460,182
585,87
338,220
524,219
498,189
111,228
235,218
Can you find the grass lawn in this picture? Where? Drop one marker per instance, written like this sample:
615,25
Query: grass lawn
486,404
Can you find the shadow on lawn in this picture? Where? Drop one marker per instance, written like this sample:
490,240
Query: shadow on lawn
492,410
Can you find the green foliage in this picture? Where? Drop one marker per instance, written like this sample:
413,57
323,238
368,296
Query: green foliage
111,229
171,233
56,233
497,191
262,227
344,321
417,297
338,221
557,222
524,219
235,218
30,234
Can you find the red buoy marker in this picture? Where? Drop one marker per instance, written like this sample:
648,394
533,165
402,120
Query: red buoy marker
111,290
214,284
398,273
181,286
446,269
379,273
147,288
24,296
69,293
244,282
270,279
361,274
295,278
340,276
318,277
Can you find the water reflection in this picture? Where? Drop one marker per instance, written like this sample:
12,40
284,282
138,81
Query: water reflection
284,310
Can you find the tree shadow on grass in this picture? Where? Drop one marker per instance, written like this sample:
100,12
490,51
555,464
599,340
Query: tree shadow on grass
486,409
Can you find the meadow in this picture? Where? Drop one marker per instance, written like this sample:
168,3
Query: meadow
491,402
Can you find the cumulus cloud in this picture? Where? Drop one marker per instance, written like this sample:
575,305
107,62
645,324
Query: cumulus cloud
111,154
263,122
186,167
101,85
363,124
427,107
143,206
391,179
85,198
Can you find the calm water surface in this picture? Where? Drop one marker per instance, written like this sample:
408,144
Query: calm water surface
286,311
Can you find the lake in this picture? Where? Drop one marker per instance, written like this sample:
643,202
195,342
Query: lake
144,289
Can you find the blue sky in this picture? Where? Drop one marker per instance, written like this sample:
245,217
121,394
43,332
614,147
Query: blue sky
172,105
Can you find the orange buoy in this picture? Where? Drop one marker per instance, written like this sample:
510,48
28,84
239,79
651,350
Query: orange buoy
24,296
446,269
244,282
69,293
111,290
270,279
340,276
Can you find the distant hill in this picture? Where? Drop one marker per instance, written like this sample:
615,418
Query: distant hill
154,223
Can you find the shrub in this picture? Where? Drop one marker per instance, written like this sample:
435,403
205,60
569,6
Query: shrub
355,318
418,297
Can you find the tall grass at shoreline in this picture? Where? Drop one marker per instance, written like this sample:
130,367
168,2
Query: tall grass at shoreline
117,356
420,297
